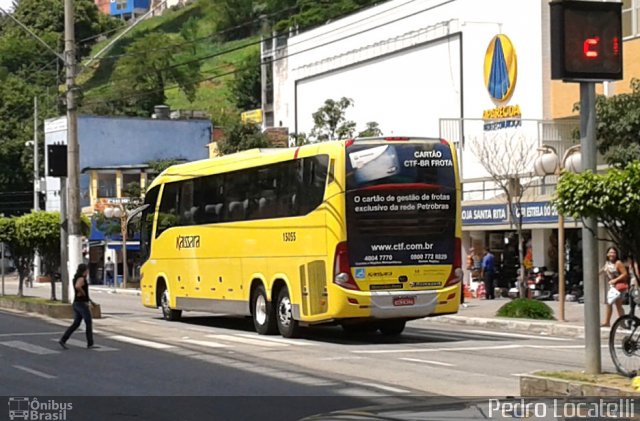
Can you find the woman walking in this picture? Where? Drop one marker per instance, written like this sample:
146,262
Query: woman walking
81,307
616,275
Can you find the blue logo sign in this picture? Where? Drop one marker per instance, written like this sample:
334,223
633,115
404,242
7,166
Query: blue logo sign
360,273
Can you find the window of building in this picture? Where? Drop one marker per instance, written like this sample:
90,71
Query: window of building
630,18
106,185
131,185
121,4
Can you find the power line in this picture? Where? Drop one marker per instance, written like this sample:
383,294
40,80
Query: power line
282,57
203,38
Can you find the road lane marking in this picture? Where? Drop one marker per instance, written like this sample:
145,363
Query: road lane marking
247,341
82,344
470,348
359,392
416,360
30,334
24,346
381,387
516,335
297,342
35,372
208,344
141,342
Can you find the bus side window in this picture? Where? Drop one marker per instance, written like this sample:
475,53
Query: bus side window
168,212
146,221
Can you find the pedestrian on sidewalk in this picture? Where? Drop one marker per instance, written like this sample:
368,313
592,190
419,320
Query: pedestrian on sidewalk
81,307
488,273
616,276
109,269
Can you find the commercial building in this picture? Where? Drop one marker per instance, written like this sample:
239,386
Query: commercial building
115,157
474,73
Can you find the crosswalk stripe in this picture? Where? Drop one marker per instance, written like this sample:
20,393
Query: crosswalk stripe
297,342
25,346
208,344
31,334
81,344
35,372
248,341
381,387
141,342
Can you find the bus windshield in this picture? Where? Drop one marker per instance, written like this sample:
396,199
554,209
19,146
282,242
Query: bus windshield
401,203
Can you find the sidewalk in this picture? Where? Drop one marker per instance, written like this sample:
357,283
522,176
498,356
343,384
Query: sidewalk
482,313
44,289
479,312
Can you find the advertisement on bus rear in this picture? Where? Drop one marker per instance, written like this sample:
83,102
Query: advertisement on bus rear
401,203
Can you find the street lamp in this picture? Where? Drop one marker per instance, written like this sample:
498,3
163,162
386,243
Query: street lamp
547,164
118,211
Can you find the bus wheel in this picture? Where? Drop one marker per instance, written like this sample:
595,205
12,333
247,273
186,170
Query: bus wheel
264,318
392,327
287,325
167,312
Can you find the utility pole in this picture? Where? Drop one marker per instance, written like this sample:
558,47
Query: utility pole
64,255
589,230
73,165
36,180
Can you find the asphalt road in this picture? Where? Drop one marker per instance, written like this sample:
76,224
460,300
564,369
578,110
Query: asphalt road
33,364
430,358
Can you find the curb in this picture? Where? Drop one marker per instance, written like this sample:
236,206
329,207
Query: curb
108,290
522,325
535,385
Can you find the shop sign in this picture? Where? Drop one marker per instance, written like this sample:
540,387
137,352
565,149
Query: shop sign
500,76
484,215
532,212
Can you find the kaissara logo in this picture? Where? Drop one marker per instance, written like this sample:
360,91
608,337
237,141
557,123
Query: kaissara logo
500,68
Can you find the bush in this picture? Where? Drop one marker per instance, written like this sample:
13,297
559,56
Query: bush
526,309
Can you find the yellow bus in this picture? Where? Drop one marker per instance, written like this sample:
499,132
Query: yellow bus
364,233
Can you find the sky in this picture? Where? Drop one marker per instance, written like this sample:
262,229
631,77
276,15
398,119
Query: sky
6,4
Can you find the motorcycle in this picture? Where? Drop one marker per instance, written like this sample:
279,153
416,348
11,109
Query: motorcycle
541,283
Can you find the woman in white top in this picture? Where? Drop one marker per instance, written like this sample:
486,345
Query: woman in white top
616,275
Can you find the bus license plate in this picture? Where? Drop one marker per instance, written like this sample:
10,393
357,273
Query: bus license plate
404,301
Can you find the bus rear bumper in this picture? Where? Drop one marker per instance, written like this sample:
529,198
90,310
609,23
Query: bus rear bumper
405,304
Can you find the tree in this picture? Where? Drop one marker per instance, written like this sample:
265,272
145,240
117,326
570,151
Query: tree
330,122
612,199
40,231
618,125
246,88
372,130
239,136
8,236
507,158
142,75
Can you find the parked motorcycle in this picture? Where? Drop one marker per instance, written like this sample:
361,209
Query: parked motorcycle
542,283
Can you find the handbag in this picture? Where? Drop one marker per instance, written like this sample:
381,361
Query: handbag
612,294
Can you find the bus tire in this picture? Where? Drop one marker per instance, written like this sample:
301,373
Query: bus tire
287,325
392,327
167,312
262,313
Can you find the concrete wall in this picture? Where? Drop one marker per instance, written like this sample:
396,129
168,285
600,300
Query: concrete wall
406,65
112,141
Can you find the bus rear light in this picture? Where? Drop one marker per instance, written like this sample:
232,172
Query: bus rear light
396,139
451,296
341,269
456,272
349,142
352,300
